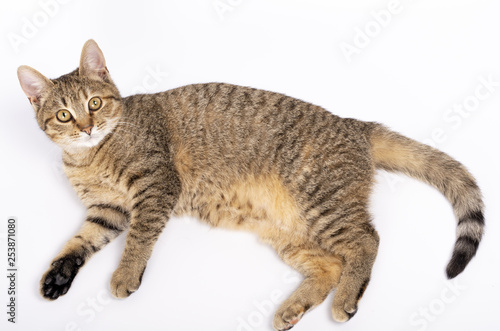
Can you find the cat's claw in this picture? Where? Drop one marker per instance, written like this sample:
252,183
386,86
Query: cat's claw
57,280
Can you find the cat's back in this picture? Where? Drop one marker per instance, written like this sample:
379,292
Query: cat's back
224,124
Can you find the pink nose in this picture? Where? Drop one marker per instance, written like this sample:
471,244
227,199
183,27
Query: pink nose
87,129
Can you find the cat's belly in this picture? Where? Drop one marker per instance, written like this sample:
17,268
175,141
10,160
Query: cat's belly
258,204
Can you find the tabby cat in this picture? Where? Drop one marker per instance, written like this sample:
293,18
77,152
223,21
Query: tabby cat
235,157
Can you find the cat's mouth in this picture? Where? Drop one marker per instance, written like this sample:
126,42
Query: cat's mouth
90,140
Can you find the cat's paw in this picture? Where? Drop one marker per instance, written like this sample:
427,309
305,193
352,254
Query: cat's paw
343,310
125,281
57,280
288,315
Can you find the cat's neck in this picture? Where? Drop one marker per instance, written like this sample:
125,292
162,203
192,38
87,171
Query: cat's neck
83,156
79,156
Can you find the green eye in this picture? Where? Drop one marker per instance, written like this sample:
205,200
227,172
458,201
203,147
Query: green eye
95,104
63,115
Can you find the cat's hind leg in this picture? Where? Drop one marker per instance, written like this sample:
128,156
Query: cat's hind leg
357,244
321,271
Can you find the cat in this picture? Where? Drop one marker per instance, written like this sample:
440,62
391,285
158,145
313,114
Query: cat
235,157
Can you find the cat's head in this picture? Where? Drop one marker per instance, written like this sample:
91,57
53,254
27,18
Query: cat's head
79,109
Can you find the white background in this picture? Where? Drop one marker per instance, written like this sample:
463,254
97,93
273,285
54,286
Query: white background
409,74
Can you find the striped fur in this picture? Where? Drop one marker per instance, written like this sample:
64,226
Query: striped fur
394,152
236,157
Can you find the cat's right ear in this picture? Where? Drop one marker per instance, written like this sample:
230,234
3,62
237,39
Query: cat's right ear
34,84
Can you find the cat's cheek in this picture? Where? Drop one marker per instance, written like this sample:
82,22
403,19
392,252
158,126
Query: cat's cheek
61,141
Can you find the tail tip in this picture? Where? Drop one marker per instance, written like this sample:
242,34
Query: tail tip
457,264
470,228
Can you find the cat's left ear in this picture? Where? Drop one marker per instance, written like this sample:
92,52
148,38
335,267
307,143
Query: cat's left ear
92,62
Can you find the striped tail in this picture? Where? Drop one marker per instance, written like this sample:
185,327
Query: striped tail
394,152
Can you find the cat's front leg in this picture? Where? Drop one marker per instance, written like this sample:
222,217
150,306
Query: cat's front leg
142,236
104,222
150,213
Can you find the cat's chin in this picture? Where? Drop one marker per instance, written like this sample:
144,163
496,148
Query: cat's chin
85,142
89,141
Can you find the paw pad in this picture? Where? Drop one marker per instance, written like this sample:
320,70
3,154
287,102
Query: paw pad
59,277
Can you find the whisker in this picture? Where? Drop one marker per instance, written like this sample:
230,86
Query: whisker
127,123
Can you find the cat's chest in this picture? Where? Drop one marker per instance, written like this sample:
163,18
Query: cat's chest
95,183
